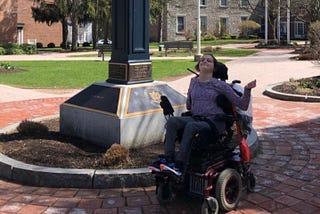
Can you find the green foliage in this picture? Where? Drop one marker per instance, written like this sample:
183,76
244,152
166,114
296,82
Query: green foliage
306,84
15,49
7,66
10,46
2,51
30,128
209,37
28,49
226,36
318,83
48,13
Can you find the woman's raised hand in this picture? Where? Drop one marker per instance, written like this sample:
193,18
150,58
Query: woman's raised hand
251,84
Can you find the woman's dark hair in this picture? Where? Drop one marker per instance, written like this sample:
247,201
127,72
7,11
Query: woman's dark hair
215,61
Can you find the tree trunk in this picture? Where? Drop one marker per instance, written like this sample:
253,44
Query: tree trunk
74,46
64,34
94,33
74,23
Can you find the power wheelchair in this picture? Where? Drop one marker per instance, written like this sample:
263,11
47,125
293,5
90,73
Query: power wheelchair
218,169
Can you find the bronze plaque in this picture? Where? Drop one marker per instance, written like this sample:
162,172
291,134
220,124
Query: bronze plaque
130,73
139,71
118,71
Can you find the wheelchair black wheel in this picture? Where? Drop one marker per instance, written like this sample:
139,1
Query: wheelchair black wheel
164,193
251,182
228,189
210,206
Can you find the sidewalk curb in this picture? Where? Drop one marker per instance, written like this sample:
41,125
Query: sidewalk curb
28,174
288,97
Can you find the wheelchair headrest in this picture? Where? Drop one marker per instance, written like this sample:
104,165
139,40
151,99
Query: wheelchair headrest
220,71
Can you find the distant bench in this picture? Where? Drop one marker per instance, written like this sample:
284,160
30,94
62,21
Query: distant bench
104,48
177,45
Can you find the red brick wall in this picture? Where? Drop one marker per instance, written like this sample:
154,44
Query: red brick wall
13,12
34,30
8,20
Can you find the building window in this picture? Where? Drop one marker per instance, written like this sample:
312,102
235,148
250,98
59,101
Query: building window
223,3
299,29
204,24
181,25
223,26
243,18
244,3
203,3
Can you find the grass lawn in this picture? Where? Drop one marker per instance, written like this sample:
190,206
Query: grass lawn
79,74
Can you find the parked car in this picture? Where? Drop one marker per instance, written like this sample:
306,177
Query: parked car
102,41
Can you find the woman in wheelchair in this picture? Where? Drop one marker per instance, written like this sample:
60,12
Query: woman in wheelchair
205,112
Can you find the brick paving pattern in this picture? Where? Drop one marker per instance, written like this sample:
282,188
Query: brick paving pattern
287,168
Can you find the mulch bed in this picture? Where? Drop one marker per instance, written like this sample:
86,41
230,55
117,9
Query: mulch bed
296,87
52,149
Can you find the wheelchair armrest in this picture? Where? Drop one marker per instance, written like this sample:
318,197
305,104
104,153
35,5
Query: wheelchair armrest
185,114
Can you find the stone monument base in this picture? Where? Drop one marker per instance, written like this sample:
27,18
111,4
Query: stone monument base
106,113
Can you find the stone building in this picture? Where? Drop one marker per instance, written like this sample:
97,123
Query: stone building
218,17
18,26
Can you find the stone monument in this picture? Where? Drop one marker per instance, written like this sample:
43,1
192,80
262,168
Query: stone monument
125,108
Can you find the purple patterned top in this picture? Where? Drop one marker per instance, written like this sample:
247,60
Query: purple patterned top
201,97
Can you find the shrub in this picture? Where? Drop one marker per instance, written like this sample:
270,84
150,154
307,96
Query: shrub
207,49
86,44
247,27
51,45
39,45
30,128
2,51
7,66
116,154
306,84
10,45
209,37
226,36
28,49
14,51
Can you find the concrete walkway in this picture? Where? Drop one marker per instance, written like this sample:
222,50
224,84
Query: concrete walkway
287,166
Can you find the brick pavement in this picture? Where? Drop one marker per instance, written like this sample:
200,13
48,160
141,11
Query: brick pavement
287,168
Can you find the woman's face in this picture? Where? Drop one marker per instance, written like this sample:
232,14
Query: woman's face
206,63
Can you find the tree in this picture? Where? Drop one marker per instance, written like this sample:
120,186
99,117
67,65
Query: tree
52,12
158,10
99,13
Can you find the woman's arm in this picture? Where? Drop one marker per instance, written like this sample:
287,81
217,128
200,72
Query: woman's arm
243,101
